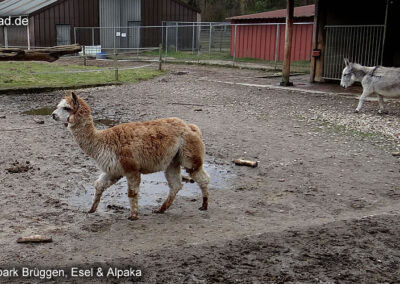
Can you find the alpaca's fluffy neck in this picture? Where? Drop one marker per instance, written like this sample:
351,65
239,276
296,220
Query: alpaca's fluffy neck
86,135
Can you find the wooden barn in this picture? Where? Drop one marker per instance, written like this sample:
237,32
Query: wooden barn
262,35
365,31
109,23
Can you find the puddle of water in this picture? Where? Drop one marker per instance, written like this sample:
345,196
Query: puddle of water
40,111
107,122
153,190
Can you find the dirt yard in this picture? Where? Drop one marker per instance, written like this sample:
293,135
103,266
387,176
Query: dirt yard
321,207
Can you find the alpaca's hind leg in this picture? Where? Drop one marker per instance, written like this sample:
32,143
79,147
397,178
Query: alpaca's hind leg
203,179
101,184
133,194
173,176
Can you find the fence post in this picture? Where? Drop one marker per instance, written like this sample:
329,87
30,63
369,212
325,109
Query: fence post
166,43
93,36
115,65
209,40
5,37
114,36
198,42
160,57
84,55
234,47
276,45
28,37
176,38
162,33
193,39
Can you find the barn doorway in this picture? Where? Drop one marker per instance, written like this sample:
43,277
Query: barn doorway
133,34
63,34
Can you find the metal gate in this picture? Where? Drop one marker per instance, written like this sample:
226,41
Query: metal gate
362,44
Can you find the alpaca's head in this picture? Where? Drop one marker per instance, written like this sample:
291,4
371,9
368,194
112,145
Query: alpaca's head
71,110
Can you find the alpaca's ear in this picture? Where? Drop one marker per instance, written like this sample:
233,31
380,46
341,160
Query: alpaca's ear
346,62
75,99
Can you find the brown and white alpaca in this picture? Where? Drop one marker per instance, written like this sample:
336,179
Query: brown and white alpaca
135,148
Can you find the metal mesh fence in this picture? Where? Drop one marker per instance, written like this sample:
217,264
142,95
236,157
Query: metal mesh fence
256,45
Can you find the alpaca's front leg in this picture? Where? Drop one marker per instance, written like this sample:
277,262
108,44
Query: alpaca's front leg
101,184
133,194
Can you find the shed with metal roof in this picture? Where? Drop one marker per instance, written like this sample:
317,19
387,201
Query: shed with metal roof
53,22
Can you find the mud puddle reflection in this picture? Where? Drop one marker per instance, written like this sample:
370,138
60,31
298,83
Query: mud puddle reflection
153,190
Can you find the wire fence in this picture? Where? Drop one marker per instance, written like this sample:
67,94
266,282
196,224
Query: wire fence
258,44
79,70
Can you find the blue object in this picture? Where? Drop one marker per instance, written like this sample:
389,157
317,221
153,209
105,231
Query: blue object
101,55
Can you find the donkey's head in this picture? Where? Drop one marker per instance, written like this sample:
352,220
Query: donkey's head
352,72
348,75
70,109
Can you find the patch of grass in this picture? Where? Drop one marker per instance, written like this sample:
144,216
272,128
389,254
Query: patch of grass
15,75
344,130
224,55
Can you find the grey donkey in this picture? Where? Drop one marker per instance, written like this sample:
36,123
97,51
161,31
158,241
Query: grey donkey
383,81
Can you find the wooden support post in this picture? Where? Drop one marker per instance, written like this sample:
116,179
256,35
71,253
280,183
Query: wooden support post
115,65
317,63
160,57
288,44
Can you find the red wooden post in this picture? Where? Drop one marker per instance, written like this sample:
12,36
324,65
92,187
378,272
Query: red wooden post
288,43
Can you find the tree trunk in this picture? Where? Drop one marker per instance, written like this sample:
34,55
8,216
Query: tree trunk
43,54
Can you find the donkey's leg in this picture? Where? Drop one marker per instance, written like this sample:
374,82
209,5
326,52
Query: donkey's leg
203,179
365,94
173,176
381,105
133,194
101,184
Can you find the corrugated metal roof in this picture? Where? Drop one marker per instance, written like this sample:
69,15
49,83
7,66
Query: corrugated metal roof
302,11
22,7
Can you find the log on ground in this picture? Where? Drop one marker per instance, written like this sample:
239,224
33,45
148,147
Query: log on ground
42,54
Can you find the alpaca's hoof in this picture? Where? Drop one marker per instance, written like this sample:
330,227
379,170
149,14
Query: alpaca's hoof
356,111
133,218
382,112
91,210
203,208
158,211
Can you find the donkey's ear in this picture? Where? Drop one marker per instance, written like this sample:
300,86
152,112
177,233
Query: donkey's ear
74,98
346,62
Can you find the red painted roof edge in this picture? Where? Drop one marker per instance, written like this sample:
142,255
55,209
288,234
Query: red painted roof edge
301,11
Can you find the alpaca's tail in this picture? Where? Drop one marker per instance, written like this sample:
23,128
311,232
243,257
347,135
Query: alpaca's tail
194,128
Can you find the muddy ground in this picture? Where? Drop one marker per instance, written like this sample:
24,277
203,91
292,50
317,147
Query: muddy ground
321,207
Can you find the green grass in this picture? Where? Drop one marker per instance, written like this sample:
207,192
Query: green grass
214,55
14,75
